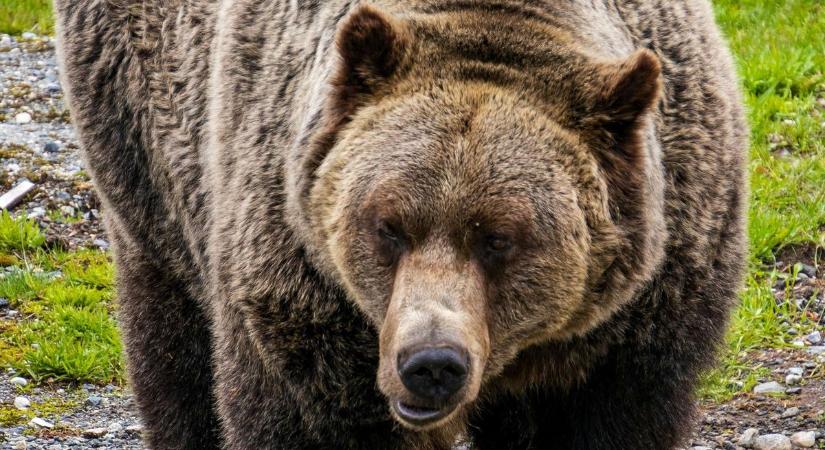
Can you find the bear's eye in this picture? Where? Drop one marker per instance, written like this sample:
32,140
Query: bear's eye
389,231
497,243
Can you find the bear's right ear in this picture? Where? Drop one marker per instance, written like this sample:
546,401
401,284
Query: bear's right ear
371,46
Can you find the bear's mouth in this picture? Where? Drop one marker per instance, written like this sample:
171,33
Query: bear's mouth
419,415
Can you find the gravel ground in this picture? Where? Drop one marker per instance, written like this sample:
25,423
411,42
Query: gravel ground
37,143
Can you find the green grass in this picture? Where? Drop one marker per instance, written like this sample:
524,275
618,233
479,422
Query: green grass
780,56
18,235
18,16
67,331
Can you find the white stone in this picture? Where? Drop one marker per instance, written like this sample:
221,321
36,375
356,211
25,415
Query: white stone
793,379
814,338
804,439
19,381
22,403
41,423
23,118
773,442
114,427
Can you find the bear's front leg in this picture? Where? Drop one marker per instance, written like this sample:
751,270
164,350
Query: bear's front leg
168,348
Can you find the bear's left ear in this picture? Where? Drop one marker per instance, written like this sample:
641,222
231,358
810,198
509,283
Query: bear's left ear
371,46
625,92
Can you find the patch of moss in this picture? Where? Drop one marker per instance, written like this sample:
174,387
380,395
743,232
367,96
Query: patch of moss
8,260
11,416
12,150
51,410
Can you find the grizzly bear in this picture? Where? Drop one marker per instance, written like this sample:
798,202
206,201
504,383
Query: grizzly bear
405,224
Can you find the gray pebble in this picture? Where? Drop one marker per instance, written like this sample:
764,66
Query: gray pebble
748,438
51,147
18,381
808,270
773,442
771,387
790,412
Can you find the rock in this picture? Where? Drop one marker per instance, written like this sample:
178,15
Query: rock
790,412
114,427
748,438
700,448
793,390
814,338
18,381
95,432
771,387
4,302
42,423
22,403
20,445
94,400
28,36
37,212
51,147
796,371
23,118
804,439
67,210
793,379
773,442
816,349
101,244
134,429
808,270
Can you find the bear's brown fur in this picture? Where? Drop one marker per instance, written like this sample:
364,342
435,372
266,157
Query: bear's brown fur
306,199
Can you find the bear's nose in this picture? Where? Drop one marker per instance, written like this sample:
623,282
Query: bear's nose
434,374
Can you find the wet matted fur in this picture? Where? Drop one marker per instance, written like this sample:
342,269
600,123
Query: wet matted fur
298,191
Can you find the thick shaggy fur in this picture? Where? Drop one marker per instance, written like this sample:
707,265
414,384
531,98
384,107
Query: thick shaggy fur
244,148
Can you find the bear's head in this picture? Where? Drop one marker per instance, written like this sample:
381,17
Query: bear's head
476,196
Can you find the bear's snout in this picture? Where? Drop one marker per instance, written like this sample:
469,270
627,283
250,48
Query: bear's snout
434,374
